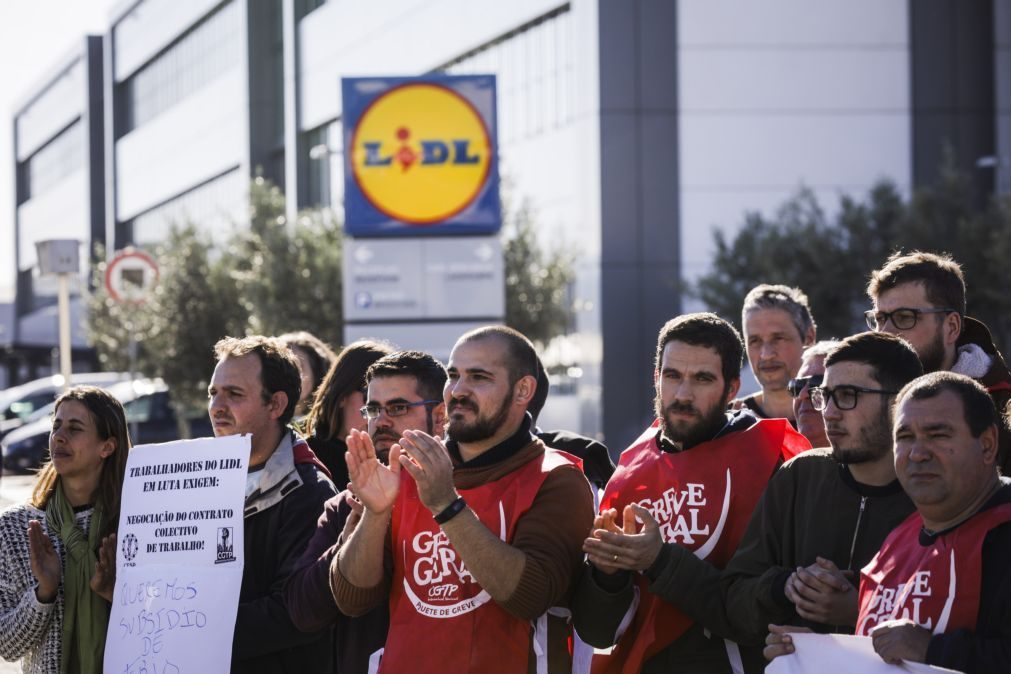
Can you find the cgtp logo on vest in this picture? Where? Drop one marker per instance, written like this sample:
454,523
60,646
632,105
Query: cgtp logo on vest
421,153
436,580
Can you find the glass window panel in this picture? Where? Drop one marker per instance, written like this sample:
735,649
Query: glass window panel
210,49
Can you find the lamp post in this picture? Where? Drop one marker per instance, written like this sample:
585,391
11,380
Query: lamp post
61,257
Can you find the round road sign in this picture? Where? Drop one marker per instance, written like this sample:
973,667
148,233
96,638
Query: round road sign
130,276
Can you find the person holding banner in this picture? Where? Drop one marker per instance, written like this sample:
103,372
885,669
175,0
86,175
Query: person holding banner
254,389
938,591
487,526
684,489
57,551
824,514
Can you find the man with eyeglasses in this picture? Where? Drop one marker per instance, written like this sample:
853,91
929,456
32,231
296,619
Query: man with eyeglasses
825,513
921,298
404,393
812,368
475,539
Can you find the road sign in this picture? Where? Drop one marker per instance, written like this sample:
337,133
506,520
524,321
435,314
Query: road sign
420,156
446,278
131,276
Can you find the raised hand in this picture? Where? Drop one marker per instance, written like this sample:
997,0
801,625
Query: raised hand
45,562
375,484
104,579
427,460
611,549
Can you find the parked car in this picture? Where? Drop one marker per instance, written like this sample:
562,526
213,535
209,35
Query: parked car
148,411
19,402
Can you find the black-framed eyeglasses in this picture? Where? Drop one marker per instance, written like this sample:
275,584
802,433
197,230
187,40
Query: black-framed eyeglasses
845,396
800,383
903,318
393,409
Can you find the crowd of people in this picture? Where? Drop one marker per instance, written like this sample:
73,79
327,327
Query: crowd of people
402,515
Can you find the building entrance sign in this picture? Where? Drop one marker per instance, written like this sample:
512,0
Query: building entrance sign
420,156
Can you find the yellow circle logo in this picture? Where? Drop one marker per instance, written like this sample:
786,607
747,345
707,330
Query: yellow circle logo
421,153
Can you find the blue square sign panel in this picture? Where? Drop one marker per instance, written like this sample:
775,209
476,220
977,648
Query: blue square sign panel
421,156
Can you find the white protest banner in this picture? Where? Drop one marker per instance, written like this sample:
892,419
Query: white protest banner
840,654
179,558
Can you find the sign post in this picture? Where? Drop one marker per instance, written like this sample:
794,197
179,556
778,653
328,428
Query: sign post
422,208
130,277
61,257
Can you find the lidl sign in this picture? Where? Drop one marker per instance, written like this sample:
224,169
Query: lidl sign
420,155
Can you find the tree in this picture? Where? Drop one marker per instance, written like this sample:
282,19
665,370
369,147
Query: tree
537,279
831,261
288,275
194,305
273,276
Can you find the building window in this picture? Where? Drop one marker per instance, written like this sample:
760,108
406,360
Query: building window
535,69
57,159
214,208
303,7
209,49
317,176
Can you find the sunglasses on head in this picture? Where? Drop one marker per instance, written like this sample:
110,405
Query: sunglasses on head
800,383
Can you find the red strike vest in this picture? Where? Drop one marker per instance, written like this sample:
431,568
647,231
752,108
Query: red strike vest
702,499
936,586
441,620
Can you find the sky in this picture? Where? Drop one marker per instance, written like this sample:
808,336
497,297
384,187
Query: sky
34,36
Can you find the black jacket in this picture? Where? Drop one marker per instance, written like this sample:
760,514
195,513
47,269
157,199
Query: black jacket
812,507
277,528
597,464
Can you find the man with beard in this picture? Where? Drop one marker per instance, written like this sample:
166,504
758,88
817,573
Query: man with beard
824,514
921,298
807,419
404,392
691,480
778,326
486,527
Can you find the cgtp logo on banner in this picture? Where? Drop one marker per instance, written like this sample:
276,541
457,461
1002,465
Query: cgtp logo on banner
420,155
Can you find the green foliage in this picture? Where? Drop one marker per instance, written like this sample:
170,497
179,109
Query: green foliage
288,274
273,277
268,278
831,261
194,304
537,280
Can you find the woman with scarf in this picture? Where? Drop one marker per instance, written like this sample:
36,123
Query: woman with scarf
57,551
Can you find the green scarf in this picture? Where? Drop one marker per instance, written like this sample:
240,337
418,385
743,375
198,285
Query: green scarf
85,614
